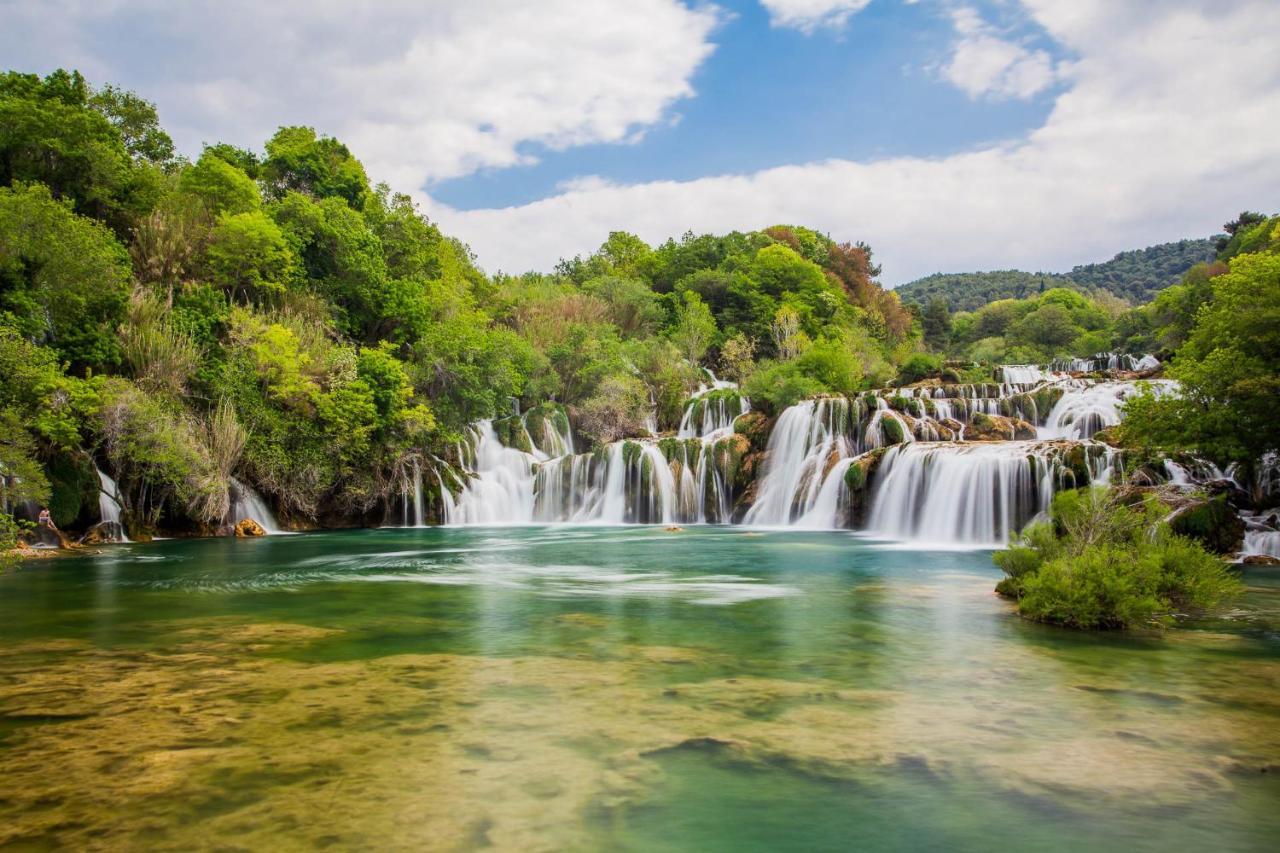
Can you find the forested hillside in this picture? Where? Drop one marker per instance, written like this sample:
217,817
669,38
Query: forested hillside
1135,276
276,317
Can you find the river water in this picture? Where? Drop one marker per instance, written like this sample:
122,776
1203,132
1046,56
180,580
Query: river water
613,688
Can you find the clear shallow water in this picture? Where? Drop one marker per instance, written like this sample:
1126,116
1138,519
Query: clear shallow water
612,688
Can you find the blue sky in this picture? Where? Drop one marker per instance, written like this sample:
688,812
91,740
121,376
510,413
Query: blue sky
770,95
951,135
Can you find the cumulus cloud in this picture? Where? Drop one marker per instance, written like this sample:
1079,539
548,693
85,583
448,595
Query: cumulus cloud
982,63
1163,125
422,90
1157,135
808,16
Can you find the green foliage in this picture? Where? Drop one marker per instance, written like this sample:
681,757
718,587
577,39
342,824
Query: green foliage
1229,370
694,328
222,187
919,366
56,134
64,277
1136,276
248,257
1101,564
320,166
936,323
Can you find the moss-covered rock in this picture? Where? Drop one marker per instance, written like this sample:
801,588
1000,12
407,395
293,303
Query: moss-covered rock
1214,523
892,430
857,480
755,427
512,433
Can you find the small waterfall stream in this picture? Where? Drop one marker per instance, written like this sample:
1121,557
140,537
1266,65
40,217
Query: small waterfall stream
247,503
109,506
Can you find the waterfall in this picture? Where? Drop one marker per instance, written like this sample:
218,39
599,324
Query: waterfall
976,494
411,499
1085,409
1105,361
247,503
448,509
500,490
1261,543
1022,374
808,439
109,505
711,416
1261,538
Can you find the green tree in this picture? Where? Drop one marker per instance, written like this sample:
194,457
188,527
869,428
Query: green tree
1229,372
64,277
222,187
937,324
249,257
694,328
320,166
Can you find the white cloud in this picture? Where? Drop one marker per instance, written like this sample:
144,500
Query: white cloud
422,90
982,63
810,15
1157,135
1157,132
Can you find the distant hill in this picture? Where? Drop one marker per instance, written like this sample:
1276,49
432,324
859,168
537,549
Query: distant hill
1136,276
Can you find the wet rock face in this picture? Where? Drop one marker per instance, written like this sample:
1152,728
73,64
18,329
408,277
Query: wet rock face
999,428
756,427
102,533
249,527
43,536
1214,523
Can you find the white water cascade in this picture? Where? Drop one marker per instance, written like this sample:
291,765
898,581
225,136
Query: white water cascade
109,505
1087,408
500,488
975,494
807,439
247,503
1105,361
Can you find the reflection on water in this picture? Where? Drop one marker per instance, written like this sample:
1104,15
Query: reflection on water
612,688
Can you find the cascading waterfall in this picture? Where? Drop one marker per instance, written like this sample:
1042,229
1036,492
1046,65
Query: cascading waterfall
711,417
927,482
807,441
1105,361
109,506
247,503
975,494
1261,534
500,488
1086,409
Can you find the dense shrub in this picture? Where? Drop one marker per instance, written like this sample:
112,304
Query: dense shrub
1098,563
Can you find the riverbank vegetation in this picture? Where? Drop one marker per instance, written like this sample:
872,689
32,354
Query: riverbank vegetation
277,317
1109,560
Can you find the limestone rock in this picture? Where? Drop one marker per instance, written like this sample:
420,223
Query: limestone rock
249,527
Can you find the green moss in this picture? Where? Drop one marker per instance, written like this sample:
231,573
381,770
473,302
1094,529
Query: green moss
1215,524
893,431
631,452
855,478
